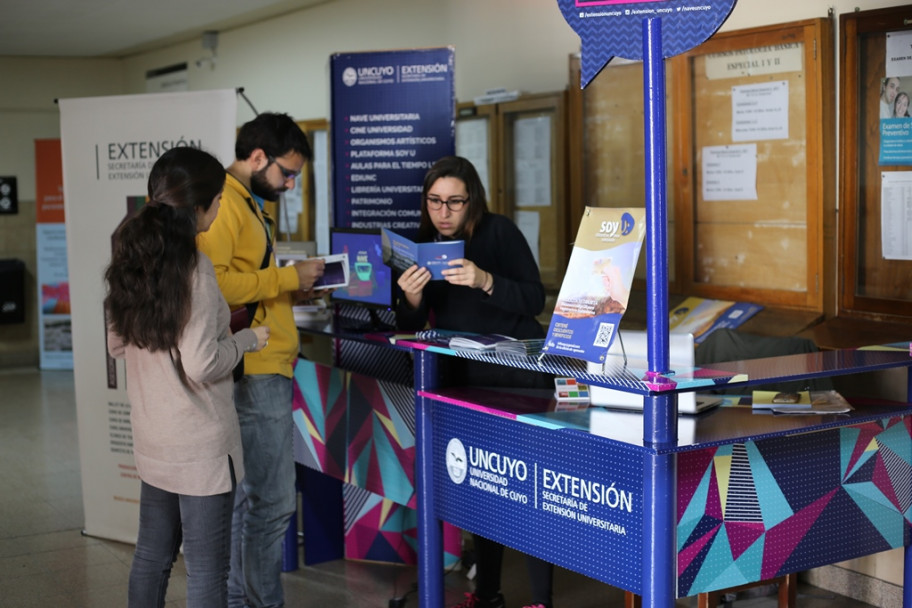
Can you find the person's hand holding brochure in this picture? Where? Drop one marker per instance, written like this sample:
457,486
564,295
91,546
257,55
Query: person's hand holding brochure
335,270
400,254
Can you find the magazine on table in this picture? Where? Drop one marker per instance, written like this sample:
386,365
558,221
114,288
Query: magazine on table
702,316
400,253
596,288
801,402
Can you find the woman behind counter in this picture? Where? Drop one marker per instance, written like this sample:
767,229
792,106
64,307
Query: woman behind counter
495,289
167,318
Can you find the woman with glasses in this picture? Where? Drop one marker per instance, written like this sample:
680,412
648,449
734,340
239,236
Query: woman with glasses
496,288
168,319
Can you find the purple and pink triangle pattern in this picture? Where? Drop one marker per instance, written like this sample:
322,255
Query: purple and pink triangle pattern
759,510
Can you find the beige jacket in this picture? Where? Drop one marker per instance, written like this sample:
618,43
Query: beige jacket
183,436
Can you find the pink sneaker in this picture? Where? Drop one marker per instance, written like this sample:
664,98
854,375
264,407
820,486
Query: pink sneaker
473,601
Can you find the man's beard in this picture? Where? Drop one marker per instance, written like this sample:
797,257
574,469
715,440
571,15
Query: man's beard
260,186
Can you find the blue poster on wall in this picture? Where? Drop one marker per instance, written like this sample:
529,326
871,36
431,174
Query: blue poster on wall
393,115
895,141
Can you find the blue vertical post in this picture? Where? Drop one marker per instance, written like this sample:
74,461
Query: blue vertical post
660,411
907,577
907,551
656,201
430,533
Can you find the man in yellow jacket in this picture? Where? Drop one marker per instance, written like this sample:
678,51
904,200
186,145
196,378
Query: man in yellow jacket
270,151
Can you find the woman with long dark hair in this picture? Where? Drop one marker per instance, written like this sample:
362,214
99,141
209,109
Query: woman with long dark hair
495,289
167,318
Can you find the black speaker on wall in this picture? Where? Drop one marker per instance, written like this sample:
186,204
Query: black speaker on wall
12,291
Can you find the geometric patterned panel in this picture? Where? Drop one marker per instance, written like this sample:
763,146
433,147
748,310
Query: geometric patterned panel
319,413
758,510
362,430
381,438
377,529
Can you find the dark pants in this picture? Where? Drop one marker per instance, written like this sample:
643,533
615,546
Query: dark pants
488,563
203,524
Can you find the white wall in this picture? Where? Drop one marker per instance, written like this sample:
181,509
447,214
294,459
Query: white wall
28,110
283,63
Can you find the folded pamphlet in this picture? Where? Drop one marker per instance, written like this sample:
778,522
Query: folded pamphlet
400,253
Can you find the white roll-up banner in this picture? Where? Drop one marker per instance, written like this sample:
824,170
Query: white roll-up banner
109,145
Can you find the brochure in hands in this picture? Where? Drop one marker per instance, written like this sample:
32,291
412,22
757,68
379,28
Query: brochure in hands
400,253
335,269
596,286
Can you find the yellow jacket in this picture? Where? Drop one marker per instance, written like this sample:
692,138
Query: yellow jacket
236,244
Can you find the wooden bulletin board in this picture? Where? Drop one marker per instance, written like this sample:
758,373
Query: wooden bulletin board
877,283
757,100
613,169
776,246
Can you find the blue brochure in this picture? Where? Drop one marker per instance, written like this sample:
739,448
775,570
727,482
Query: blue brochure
399,253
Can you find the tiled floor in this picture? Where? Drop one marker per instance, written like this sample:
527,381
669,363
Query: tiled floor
46,561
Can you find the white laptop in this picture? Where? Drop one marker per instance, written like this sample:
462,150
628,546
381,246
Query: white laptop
680,354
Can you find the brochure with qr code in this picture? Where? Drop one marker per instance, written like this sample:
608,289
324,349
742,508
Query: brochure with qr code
596,288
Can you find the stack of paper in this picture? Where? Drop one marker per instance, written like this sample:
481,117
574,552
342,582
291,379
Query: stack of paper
802,402
519,348
478,341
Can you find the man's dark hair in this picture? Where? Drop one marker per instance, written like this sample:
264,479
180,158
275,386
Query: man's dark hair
275,134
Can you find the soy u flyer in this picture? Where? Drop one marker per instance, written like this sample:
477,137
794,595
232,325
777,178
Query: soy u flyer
596,288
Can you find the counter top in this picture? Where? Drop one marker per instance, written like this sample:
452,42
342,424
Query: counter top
726,424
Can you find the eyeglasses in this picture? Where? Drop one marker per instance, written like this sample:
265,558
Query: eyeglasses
286,173
454,203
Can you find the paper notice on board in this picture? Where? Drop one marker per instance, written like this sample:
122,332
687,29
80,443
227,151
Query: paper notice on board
532,161
472,143
896,215
730,173
760,111
899,54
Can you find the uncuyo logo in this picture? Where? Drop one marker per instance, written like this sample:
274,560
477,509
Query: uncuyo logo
349,77
456,461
